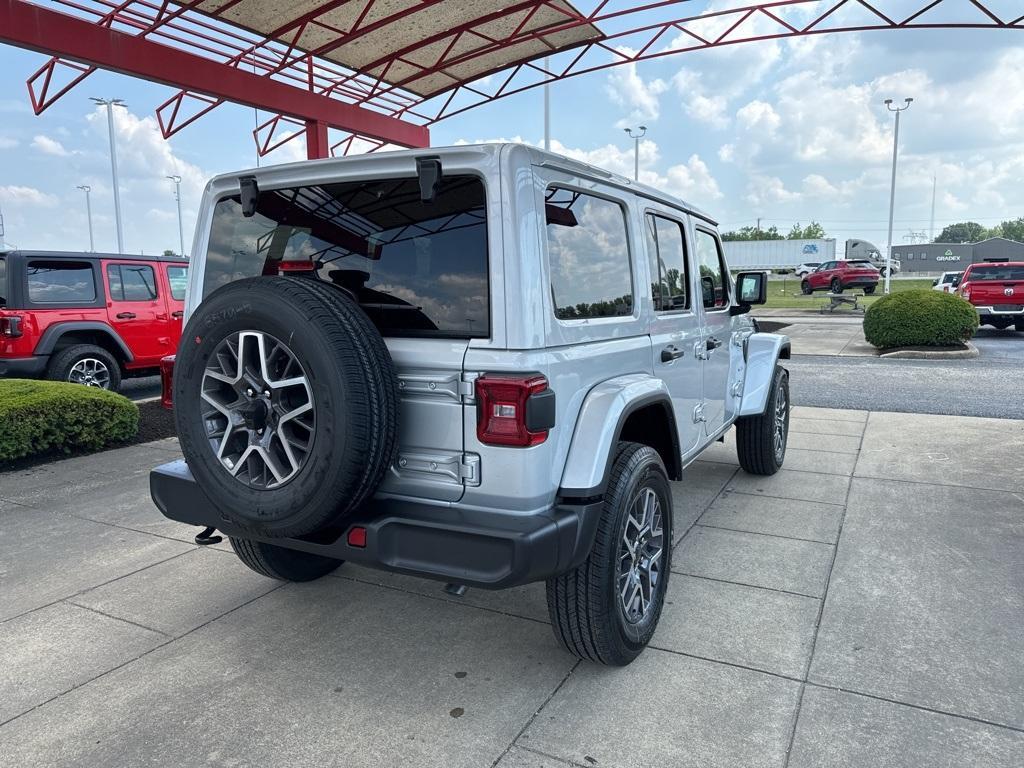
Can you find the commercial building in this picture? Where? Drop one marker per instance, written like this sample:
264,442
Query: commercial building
933,258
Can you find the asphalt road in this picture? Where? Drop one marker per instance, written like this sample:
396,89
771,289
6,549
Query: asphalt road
141,388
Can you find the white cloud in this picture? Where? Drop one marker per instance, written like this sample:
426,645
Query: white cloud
49,146
641,97
26,196
759,115
8,143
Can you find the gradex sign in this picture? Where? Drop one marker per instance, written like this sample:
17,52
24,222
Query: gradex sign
947,256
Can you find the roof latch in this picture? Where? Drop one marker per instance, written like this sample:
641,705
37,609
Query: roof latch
428,169
249,192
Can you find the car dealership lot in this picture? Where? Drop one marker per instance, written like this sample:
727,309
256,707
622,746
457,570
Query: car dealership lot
862,607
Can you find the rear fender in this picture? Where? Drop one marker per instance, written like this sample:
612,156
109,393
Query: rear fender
601,418
764,350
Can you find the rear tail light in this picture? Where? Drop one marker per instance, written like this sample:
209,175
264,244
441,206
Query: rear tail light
514,410
167,382
10,326
965,291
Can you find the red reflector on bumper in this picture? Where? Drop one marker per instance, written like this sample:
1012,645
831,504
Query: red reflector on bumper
357,537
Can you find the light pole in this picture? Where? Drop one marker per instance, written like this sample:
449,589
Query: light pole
110,104
177,197
892,188
641,132
88,213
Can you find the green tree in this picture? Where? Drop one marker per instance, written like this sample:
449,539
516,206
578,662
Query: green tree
169,252
1011,230
753,233
813,231
963,232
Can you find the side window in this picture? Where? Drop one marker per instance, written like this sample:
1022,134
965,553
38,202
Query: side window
666,248
588,252
714,279
59,282
178,279
131,282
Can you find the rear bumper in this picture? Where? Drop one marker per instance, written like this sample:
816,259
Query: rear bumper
857,282
1002,310
23,367
487,549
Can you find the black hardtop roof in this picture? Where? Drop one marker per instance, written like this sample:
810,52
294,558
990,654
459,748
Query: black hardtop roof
87,255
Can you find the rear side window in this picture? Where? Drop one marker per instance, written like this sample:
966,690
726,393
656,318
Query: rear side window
131,282
714,280
3,282
178,278
997,272
588,253
417,268
60,282
666,248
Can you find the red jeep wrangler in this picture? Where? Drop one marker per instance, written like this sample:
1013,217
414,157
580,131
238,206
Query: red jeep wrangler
996,289
88,318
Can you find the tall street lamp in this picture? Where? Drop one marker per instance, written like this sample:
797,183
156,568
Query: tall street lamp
110,104
892,188
177,198
641,132
88,213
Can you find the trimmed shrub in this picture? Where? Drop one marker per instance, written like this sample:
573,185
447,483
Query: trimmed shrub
41,416
921,318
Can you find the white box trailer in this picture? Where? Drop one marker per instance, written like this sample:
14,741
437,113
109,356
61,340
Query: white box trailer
777,254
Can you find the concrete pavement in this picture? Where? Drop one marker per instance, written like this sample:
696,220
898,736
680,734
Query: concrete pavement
860,608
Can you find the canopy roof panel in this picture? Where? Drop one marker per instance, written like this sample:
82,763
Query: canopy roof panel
421,46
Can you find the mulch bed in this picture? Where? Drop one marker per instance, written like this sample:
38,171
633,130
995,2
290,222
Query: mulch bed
155,423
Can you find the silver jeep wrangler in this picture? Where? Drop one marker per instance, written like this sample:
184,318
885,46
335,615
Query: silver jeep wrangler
477,364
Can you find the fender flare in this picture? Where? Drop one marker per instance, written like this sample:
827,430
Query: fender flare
763,351
52,335
598,426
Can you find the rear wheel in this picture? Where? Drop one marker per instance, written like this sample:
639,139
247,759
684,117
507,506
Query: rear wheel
1019,326
805,288
836,285
282,563
86,364
869,289
761,440
607,609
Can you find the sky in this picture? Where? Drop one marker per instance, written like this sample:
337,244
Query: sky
782,131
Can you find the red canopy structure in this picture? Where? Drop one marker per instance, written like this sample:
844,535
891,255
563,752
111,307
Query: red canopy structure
382,71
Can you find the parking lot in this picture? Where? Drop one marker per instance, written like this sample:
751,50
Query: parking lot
862,607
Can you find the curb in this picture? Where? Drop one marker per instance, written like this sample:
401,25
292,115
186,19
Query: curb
918,354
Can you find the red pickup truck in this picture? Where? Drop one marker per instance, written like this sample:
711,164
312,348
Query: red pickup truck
88,318
996,289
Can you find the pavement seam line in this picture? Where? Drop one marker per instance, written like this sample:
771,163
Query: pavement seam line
540,709
137,658
821,606
730,463
68,601
724,663
762,533
128,528
549,756
921,707
933,483
790,498
747,584
704,509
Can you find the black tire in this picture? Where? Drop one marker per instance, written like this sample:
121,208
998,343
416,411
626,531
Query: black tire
836,286
587,614
1019,326
805,288
869,290
352,385
756,446
62,365
282,563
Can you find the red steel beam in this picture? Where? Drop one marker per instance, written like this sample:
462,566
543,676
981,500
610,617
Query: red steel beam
40,29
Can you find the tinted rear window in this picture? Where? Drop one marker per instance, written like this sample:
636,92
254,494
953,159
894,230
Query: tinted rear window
3,282
60,282
997,272
417,269
861,264
178,278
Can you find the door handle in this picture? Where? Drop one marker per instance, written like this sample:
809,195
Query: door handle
713,344
125,315
178,314
671,352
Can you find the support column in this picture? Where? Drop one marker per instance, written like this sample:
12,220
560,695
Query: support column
316,140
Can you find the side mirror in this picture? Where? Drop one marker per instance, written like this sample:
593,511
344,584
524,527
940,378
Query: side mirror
751,288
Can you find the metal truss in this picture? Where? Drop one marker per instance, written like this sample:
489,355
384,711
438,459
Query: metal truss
212,60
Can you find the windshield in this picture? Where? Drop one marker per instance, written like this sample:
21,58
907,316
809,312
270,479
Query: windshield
3,282
998,272
417,268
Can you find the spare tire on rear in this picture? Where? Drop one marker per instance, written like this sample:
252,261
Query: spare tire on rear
286,404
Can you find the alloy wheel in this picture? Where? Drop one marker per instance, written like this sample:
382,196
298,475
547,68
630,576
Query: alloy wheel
258,409
90,372
781,424
640,555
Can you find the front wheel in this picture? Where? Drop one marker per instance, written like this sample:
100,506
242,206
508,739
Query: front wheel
606,610
86,364
761,440
282,563
836,286
805,288
869,290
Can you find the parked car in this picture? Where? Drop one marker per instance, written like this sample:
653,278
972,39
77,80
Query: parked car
837,276
806,268
947,282
481,365
88,318
997,291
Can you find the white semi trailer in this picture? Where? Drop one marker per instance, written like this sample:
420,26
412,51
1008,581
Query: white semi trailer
788,254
